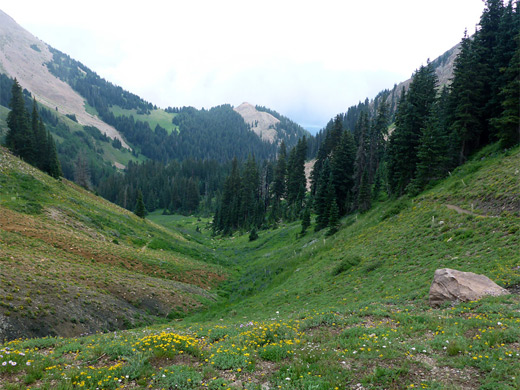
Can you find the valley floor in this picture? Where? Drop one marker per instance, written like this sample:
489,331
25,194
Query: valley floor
315,312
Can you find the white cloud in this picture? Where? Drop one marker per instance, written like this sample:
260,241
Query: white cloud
303,58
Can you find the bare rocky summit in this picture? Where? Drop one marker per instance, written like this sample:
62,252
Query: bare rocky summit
262,123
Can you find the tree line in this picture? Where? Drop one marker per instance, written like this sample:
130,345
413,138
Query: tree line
186,187
254,197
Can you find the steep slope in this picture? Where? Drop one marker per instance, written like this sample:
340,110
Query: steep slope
73,263
23,56
443,66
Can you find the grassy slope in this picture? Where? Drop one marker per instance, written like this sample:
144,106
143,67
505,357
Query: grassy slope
73,263
396,242
332,312
156,117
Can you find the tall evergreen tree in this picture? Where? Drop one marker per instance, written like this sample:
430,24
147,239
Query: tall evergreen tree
250,184
306,220
342,168
433,154
279,182
296,180
140,209
44,152
507,124
364,200
413,112
491,58
333,223
466,99
34,157
53,165
322,198
19,137
229,208
333,132
378,134
361,163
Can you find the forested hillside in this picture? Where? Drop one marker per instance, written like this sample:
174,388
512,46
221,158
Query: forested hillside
369,153
133,130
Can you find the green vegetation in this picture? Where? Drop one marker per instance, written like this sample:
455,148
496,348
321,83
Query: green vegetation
286,307
153,117
74,263
305,312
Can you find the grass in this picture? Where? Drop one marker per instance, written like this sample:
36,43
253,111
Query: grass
156,117
122,156
73,263
312,312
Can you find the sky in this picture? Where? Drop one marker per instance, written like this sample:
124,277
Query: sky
308,60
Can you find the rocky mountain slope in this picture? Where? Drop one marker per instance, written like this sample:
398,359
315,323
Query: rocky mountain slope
24,57
262,123
65,86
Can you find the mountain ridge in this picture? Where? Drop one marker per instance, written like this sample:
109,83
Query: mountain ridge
61,83
23,56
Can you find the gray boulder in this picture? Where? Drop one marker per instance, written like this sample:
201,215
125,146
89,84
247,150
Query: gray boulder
457,286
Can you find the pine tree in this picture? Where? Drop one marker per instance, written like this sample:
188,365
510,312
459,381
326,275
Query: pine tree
140,209
413,112
250,183
507,125
466,104
333,132
230,202
364,194
333,222
342,168
321,199
296,180
306,220
43,148
253,235
34,157
19,135
361,164
54,166
378,133
280,174
490,59
434,160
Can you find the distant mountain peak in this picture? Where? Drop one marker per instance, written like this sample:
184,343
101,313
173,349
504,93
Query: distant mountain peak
262,123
